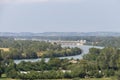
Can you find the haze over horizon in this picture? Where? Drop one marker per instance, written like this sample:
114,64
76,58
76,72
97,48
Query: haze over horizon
59,16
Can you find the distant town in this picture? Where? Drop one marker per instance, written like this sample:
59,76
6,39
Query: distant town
61,42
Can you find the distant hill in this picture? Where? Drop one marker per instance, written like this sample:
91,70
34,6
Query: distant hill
61,34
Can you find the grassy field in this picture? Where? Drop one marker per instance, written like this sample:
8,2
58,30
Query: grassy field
7,79
5,49
67,79
111,78
4,77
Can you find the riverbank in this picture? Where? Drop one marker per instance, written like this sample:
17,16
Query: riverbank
84,48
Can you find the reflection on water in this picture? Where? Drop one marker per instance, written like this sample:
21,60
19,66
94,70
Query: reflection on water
85,50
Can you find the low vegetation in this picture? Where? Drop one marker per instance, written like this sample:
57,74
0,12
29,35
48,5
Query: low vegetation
5,49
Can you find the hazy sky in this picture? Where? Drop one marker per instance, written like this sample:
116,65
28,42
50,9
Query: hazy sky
59,15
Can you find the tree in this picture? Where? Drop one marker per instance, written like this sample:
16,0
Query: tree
108,58
11,70
54,63
1,71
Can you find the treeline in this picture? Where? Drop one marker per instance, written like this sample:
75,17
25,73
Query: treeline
27,49
106,41
110,42
106,61
6,42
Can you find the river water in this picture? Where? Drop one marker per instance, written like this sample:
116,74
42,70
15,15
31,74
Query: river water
85,50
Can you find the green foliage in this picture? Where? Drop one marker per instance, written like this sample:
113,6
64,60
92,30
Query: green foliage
109,73
54,63
98,75
93,54
41,75
33,49
108,58
1,65
98,63
107,61
118,75
11,70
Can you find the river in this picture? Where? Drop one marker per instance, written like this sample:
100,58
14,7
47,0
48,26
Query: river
85,50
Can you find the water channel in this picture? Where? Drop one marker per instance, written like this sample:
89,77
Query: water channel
85,50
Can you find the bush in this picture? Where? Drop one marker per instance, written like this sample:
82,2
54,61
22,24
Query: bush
12,74
118,75
108,73
98,74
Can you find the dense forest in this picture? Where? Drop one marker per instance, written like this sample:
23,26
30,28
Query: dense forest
27,49
98,63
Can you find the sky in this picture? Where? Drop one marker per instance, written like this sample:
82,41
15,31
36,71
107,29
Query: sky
59,15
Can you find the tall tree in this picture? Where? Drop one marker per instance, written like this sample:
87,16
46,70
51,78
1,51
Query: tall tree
1,63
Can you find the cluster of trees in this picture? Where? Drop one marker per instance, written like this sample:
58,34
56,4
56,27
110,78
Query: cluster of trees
63,52
106,60
110,42
98,63
101,41
6,42
34,49
38,70
1,67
